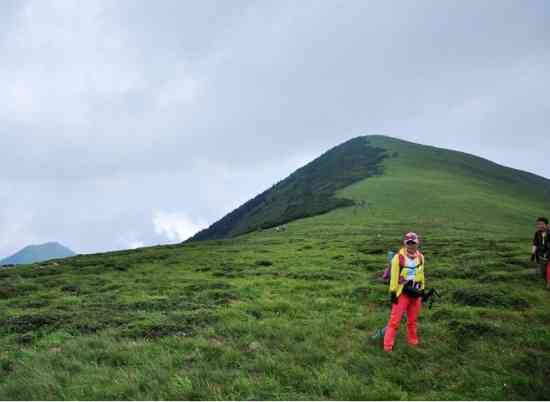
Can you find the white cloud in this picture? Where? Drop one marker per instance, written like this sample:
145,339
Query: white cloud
136,244
71,66
130,240
106,104
175,226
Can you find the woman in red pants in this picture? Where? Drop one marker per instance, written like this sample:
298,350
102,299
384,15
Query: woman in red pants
406,288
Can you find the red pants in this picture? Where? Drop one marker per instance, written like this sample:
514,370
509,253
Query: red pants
412,307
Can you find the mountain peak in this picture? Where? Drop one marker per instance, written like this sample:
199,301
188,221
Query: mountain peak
307,192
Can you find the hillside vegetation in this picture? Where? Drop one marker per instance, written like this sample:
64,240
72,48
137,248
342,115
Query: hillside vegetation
288,315
416,176
307,192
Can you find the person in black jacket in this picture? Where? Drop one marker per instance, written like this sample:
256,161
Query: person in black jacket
541,246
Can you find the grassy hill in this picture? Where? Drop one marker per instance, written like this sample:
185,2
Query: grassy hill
307,192
288,315
38,253
426,176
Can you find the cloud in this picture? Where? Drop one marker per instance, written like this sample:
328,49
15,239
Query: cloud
175,226
78,82
136,244
129,240
112,108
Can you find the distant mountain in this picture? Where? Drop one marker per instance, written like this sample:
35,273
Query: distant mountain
400,176
38,253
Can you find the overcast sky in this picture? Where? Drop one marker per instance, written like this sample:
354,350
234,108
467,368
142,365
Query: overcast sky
129,123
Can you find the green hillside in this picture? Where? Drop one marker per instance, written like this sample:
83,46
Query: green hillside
456,184
288,315
307,192
451,188
38,253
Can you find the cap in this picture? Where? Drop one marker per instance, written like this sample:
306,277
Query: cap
411,236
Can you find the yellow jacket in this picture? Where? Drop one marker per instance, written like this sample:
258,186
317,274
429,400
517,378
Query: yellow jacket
398,279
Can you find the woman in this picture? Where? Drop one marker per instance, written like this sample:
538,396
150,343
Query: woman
406,289
541,246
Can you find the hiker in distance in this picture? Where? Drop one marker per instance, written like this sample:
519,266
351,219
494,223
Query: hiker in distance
406,290
541,248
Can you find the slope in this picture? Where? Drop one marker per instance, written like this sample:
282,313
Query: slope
397,176
308,191
288,315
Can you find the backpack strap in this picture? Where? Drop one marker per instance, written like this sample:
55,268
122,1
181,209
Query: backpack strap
401,262
421,258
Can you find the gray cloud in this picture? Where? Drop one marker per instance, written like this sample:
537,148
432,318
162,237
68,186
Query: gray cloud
127,123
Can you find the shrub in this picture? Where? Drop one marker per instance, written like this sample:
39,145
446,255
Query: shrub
488,298
26,323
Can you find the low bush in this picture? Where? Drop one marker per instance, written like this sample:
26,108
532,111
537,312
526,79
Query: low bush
495,297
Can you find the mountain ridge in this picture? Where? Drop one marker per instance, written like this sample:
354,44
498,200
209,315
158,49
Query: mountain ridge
304,192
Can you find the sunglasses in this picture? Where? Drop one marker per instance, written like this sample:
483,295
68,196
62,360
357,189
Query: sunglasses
410,243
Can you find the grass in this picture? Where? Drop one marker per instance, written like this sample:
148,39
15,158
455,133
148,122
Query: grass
288,315
267,317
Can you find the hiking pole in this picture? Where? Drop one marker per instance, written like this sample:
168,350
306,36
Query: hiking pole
429,297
